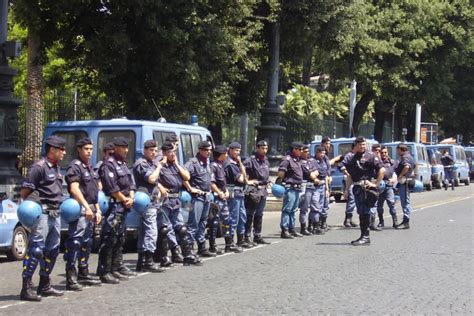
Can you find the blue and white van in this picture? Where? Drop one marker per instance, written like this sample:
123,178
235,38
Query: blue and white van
339,146
422,161
437,169
461,166
13,236
136,132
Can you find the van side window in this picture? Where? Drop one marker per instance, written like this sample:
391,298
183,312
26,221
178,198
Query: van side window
343,149
108,136
160,136
190,145
71,139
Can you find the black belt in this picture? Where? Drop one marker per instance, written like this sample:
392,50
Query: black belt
293,186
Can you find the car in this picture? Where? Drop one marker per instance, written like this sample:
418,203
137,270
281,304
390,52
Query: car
470,160
461,166
339,146
437,170
420,155
13,236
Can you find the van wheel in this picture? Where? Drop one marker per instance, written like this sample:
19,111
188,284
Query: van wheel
438,185
19,244
338,197
429,187
466,182
456,182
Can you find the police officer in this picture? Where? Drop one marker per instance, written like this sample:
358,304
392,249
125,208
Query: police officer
170,181
236,178
152,221
200,187
290,174
350,202
119,185
404,171
43,185
83,186
448,165
326,143
387,194
309,175
221,193
361,168
319,199
376,148
257,168
107,152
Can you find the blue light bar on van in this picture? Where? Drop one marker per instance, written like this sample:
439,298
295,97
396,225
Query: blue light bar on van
194,119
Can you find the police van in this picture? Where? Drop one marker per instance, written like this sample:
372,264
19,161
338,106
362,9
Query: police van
461,167
136,132
339,146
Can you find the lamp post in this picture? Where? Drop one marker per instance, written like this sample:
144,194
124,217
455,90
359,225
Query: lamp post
9,176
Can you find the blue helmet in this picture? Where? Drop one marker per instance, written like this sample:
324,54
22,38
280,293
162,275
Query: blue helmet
141,202
184,196
211,197
418,186
70,210
103,202
278,190
28,212
397,197
382,186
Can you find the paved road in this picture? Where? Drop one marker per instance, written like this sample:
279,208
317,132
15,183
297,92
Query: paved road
427,269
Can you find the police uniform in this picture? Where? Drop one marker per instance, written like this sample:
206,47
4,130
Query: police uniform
405,160
257,168
387,194
81,232
152,220
221,212
45,182
448,164
319,200
200,171
362,167
171,206
350,203
292,180
308,167
238,213
108,147
115,177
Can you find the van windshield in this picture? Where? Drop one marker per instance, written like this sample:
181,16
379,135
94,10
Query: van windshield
449,149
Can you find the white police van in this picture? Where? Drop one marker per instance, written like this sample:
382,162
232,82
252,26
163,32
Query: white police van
13,236
136,132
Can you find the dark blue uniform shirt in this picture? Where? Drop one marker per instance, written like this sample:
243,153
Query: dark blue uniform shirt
116,177
200,174
257,169
308,167
232,173
291,166
46,179
405,160
142,169
363,166
77,171
171,179
447,160
218,175
389,165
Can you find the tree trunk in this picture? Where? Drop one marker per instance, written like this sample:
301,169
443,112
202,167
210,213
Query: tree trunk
360,109
35,109
381,110
306,77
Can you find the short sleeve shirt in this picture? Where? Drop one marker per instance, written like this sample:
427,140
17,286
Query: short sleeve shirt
84,174
291,166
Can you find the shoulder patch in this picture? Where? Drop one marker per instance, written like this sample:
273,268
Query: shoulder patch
77,162
253,157
40,162
194,160
287,158
111,159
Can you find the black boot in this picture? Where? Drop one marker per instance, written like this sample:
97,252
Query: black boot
395,221
324,225
45,288
294,233
381,220
405,224
250,241
350,221
260,241
85,278
203,251
149,265
109,278
140,261
189,257
242,243
285,234
372,224
213,247
364,239
27,293
318,228
71,280
231,247
304,231
176,256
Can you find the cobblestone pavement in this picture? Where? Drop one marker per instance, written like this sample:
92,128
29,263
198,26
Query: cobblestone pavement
425,270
